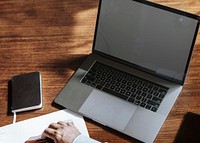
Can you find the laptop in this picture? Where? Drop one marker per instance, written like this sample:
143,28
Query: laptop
137,67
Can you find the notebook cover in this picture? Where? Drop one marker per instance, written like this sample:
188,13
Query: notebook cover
26,92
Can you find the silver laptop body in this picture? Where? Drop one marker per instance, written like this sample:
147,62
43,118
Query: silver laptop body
147,40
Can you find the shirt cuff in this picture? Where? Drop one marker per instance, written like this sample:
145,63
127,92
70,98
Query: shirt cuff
84,139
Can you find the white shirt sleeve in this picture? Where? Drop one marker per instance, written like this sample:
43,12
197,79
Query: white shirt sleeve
84,139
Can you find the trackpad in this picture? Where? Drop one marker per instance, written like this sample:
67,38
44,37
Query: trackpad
108,110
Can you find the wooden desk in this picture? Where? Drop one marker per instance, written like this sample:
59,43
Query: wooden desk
54,37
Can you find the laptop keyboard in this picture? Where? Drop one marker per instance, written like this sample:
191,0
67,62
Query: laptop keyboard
128,87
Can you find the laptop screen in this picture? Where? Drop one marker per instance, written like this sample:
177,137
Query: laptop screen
151,37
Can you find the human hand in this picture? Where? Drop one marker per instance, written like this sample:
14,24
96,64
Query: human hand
61,132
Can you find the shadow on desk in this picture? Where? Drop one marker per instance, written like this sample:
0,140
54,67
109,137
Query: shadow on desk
72,63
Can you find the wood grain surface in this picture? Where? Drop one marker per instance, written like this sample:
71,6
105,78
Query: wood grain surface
54,37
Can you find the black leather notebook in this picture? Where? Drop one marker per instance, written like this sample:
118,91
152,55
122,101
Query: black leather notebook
26,92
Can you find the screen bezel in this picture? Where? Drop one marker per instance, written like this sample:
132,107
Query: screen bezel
173,10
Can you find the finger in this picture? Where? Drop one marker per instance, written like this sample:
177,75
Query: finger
55,135
51,133
62,123
48,133
54,126
70,123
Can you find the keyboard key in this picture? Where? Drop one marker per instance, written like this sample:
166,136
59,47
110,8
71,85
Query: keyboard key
115,93
97,81
133,90
88,82
112,82
138,97
161,96
150,86
139,82
117,84
122,91
145,89
112,87
156,99
114,77
132,100
99,87
128,93
93,85
142,104
129,83
134,80
97,76
154,109
128,88
153,103
117,89
133,95
102,78
102,83
134,85
144,94
144,84
123,86
107,85
124,81
144,99
139,87
107,80
109,75
149,96
99,72
155,88
138,92
104,73
162,91
155,93
150,91
91,73
148,107
119,79
137,102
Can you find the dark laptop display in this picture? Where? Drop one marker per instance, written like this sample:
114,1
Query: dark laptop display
146,36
